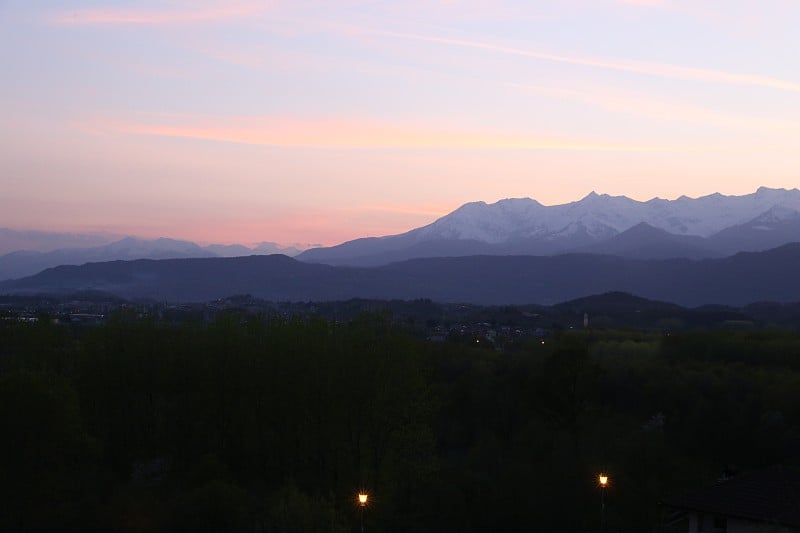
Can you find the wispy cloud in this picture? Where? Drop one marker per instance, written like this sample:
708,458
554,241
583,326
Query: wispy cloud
646,3
663,70
348,133
151,17
653,107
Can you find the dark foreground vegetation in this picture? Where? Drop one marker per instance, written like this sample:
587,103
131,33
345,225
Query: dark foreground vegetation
257,424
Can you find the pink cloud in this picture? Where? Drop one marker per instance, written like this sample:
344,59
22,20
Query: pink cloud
349,133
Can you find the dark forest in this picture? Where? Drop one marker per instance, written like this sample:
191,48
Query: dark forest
261,424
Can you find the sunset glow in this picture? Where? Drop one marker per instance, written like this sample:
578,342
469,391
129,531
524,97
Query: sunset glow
319,122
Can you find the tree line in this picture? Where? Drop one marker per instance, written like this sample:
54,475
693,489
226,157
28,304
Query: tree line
263,424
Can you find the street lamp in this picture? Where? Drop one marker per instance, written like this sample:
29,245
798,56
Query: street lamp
602,480
363,498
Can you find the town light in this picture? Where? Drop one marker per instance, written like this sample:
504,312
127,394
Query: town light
603,479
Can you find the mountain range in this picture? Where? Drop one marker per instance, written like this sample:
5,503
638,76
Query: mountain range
22,263
713,249
489,280
710,226
707,227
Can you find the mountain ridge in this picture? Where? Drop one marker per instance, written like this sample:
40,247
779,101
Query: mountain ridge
23,263
740,279
525,226
710,226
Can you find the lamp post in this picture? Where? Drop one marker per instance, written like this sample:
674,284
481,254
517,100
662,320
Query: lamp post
602,480
363,497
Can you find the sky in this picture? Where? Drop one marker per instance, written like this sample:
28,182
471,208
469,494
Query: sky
317,122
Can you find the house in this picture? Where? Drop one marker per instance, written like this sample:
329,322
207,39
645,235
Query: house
763,501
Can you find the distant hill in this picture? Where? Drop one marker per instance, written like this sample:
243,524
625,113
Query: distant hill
644,241
615,301
25,262
737,280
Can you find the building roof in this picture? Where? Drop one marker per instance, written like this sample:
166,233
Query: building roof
769,495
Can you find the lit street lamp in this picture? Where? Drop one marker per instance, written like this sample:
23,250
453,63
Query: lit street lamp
602,480
363,497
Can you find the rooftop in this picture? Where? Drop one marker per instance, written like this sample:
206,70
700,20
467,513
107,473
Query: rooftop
769,495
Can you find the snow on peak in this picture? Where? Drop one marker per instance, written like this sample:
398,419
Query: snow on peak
602,215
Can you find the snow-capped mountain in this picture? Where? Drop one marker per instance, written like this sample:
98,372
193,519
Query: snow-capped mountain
602,216
713,225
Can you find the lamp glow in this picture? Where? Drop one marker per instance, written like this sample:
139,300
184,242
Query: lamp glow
602,480
362,498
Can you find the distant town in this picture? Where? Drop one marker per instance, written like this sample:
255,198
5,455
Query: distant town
494,326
